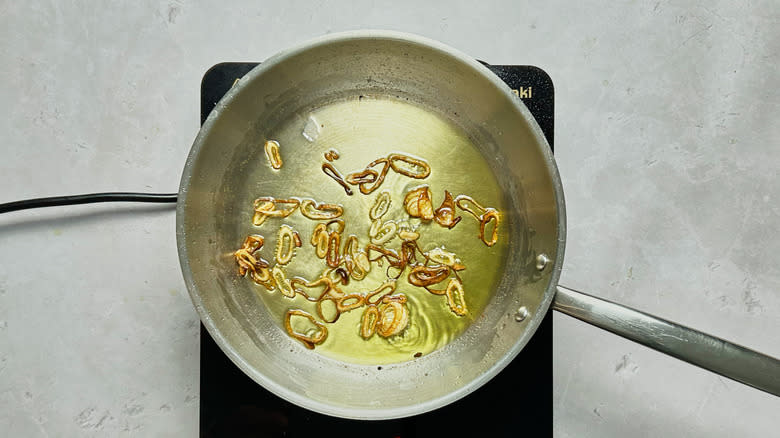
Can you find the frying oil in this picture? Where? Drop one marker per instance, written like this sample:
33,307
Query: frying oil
363,129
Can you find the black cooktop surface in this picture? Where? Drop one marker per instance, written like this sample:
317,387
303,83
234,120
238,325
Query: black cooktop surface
517,402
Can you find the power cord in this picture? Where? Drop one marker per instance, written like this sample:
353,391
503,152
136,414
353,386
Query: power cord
87,199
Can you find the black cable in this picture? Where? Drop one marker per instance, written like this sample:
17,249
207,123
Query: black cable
87,199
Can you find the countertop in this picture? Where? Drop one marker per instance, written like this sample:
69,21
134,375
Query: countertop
666,140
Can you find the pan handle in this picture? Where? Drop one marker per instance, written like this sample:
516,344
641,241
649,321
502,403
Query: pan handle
717,355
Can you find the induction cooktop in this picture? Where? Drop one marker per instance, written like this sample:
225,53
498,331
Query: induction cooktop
517,402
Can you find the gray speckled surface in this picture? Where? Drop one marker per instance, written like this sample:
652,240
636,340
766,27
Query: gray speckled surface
666,140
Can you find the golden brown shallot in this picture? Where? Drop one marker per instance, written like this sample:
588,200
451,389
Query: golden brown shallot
308,340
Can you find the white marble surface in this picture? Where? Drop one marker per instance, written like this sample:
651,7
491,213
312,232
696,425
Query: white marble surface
666,138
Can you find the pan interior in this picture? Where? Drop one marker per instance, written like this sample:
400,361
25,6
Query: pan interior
417,96
363,128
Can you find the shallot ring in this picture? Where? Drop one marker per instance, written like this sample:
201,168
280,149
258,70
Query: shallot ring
457,303
381,205
333,258
318,306
400,298
360,301
245,258
489,215
442,257
379,294
385,233
397,324
322,281
423,276
314,211
299,290
266,207
377,178
367,323
462,200
408,236
253,242
308,341
419,163
365,176
263,277
284,285
285,245
332,155
319,239
272,154
350,255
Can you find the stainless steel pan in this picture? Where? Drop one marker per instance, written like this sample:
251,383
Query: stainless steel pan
216,195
